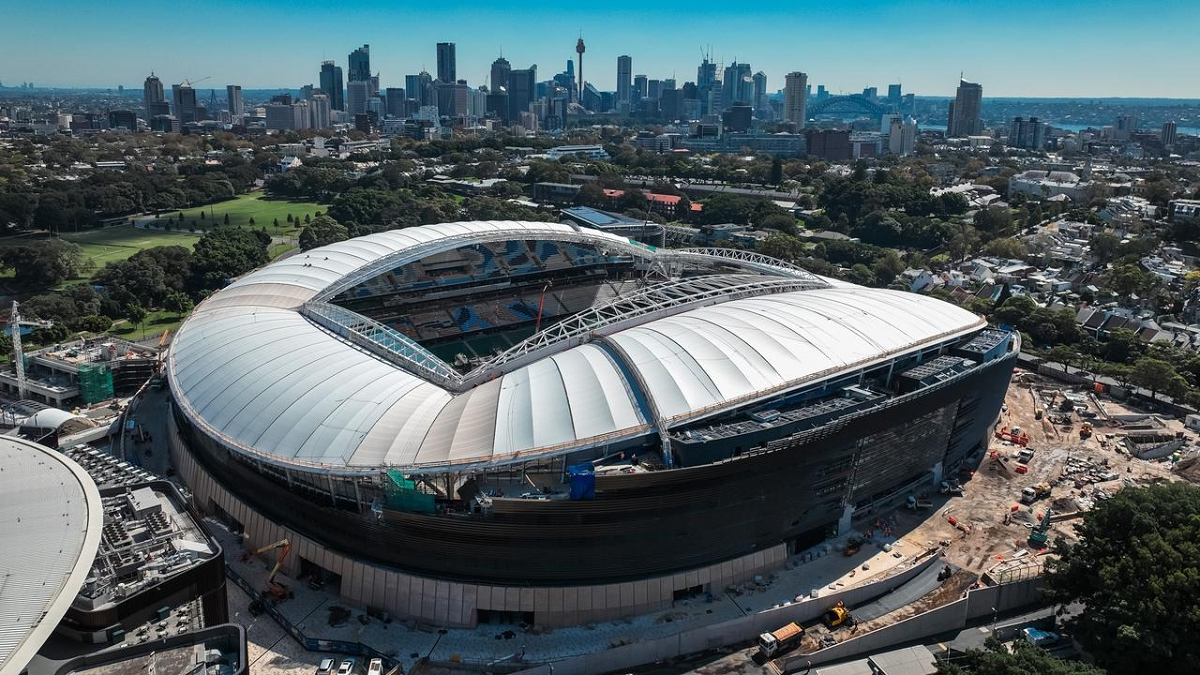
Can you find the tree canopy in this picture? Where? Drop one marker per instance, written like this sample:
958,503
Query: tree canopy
43,263
1025,659
1137,569
322,231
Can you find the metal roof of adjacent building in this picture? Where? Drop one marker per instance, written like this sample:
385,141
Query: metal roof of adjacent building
50,529
250,370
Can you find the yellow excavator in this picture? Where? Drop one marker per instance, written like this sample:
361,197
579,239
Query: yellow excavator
836,616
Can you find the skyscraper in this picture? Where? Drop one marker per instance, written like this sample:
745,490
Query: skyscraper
624,79
360,64
1126,126
738,84
641,88
965,111
760,91
964,118
522,84
357,92
395,97
152,92
447,70
795,98
320,111
420,88
500,71
1027,133
331,84
706,74
1168,135
894,95
183,98
237,109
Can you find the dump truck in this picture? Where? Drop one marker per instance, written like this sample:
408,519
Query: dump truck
1031,494
780,640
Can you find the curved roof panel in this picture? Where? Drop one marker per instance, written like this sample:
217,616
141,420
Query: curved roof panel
252,370
50,529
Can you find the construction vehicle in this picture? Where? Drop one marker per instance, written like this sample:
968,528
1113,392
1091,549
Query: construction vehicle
1031,494
1085,430
276,589
1013,436
951,487
1041,532
836,616
852,546
915,503
780,640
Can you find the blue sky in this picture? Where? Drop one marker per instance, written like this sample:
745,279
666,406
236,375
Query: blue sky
1014,48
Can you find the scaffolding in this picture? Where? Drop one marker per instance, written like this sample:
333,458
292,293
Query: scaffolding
403,495
95,383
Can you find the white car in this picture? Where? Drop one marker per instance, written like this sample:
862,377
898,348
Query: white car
346,668
376,667
326,667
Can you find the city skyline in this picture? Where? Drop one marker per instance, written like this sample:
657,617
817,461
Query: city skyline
1015,57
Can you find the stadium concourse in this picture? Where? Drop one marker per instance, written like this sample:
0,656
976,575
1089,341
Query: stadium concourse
494,421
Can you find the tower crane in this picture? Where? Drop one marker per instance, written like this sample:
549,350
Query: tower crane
196,81
14,324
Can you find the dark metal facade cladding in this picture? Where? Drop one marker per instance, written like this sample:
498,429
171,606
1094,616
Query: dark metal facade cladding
651,524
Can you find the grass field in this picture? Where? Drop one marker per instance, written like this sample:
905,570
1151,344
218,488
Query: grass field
118,243
240,210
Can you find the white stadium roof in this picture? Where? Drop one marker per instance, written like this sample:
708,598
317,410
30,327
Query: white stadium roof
251,369
50,532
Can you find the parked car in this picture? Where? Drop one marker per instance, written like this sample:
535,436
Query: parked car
326,667
347,667
376,667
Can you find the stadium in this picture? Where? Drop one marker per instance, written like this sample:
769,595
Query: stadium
520,421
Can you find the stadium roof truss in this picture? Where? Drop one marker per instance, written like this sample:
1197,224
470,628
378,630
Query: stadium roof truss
648,303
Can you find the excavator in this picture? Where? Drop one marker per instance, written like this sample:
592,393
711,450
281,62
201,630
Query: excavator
277,590
836,616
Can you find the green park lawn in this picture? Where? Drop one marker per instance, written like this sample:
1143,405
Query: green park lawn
255,205
113,244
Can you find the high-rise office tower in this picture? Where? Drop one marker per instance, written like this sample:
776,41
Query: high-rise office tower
738,84
1126,126
522,85
357,92
447,70
320,111
1168,135
760,91
624,79
653,89
894,95
359,65
499,78
870,93
795,98
641,87
420,88
152,92
706,74
306,92
965,111
237,108
395,97
331,84
183,97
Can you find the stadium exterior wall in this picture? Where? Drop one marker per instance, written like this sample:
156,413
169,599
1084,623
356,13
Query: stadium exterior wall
454,604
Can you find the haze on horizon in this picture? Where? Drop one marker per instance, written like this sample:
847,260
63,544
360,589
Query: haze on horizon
1069,48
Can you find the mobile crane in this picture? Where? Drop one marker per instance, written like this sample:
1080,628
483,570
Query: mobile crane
276,589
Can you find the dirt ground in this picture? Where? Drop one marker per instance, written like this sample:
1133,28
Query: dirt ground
1061,457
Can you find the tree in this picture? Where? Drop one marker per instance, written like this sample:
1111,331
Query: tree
1157,375
44,263
322,231
223,254
1064,354
1006,247
93,323
782,247
1136,567
226,218
136,315
1024,659
251,221
178,303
